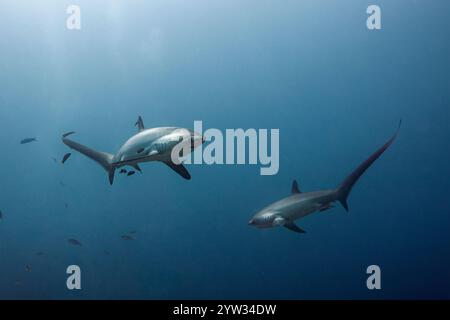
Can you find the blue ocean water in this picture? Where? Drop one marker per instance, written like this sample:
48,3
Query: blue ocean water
335,90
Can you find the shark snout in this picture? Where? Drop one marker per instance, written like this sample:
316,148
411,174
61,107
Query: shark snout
251,222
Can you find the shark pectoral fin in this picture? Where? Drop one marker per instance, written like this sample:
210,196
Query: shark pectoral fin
180,169
293,227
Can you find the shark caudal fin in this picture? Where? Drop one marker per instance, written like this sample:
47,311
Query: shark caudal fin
102,158
344,189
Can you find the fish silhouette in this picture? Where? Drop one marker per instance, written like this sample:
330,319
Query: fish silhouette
127,237
66,156
74,242
28,140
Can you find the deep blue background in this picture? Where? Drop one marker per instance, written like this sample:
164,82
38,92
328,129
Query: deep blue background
310,68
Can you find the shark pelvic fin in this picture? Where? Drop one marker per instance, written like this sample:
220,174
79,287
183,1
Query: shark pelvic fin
293,227
295,188
326,206
180,169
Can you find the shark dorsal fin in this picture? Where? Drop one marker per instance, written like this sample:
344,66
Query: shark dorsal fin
295,188
140,124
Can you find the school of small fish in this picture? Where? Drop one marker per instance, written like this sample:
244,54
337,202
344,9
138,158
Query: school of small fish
71,241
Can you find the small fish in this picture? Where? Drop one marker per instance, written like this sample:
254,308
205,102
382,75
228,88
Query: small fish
1,215
133,232
28,140
66,156
106,252
40,253
62,184
66,205
28,268
75,242
131,173
123,171
127,237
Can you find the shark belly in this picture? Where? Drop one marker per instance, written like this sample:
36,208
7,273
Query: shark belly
304,204
300,211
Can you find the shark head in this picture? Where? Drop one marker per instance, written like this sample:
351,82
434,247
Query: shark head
158,142
267,219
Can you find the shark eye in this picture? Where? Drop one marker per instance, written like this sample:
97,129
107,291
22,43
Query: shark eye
140,150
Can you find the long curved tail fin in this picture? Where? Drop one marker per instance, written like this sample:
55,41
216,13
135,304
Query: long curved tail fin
346,186
102,158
